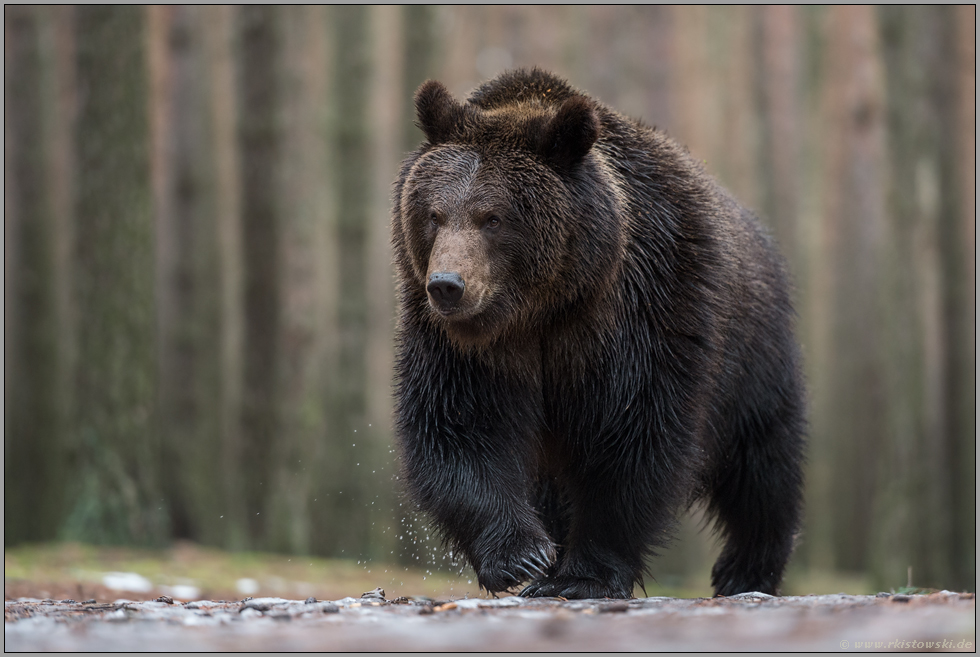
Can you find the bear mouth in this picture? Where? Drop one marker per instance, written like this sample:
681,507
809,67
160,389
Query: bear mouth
464,323
452,312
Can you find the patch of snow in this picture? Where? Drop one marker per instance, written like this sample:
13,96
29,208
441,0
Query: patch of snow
182,591
247,586
127,582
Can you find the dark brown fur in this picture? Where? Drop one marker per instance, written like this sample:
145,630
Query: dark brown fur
592,335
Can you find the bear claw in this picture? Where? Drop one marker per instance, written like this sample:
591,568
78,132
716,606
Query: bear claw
574,588
508,573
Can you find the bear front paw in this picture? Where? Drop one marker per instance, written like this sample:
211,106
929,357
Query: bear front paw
498,573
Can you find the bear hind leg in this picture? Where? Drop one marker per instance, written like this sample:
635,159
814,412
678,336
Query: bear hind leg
756,500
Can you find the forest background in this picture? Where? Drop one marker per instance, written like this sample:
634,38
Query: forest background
198,292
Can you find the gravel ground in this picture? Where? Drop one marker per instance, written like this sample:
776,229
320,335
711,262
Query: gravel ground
846,623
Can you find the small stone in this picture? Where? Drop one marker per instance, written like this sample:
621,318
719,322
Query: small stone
166,599
311,600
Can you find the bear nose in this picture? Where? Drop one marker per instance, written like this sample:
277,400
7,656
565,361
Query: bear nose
445,288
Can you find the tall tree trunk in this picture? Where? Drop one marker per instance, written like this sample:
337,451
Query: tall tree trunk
856,220
417,64
218,28
305,263
959,242
189,273
260,134
815,303
391,98
115,492
928,269
34,364
347,487
777,81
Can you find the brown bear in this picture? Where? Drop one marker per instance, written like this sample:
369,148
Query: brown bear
593,335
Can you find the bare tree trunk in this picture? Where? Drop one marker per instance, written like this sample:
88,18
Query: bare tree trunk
960,246
696,121
305,263
417,59
348,406
929,268
260,134
777,78
464,40
189,273
856,219
34,363
114,476
218,27
390,99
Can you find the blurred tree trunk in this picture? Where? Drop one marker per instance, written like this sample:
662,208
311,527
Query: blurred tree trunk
776,36
218,28
814,288
655,40
927,271
115,487
35,370
305,262
260,134
856,220
191,326
691,81
960,243
347,532
418,63
389,100
464,35
732,47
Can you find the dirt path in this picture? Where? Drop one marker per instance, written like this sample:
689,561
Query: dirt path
845,623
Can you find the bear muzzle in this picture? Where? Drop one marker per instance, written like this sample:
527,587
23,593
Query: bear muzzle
445,291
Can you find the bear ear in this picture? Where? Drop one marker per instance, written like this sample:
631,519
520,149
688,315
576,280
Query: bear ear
438,112
569,136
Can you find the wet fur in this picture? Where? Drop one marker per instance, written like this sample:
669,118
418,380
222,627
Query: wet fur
632,350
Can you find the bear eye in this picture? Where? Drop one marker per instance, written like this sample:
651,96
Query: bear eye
493,222
434,219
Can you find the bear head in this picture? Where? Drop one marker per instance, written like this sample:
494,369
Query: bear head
507,216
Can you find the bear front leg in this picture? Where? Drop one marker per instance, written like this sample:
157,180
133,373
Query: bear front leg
469,438
478,506
604,553
618,515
